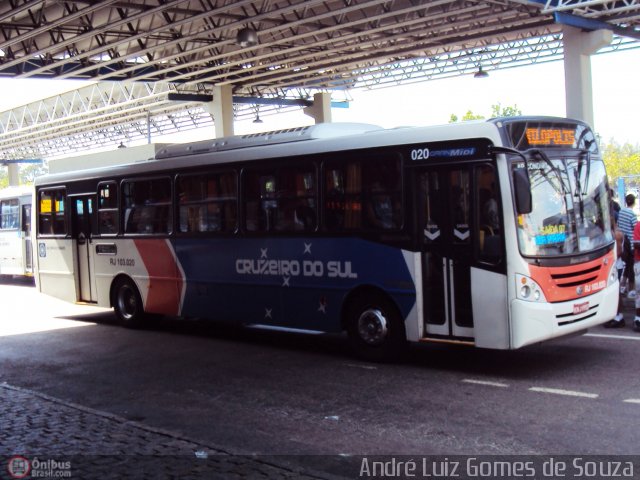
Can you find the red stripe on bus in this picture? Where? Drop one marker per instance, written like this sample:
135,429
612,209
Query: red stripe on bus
165,279
561,284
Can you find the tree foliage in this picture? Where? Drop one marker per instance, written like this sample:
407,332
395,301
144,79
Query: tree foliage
27,174
497,110
467,116
621,160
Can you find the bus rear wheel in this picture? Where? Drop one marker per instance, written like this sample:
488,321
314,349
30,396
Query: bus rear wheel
127,304
375,328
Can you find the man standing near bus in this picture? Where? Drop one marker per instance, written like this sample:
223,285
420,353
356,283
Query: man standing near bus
636,269
626,222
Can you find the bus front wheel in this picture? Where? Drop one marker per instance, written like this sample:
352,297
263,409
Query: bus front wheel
375,328
127,304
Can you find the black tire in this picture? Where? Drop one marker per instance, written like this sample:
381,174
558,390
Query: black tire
375,328
127,303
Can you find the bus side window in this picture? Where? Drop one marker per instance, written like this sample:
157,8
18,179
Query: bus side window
26,219
256,189
343,197
459,199
296,199
334,201
363,194
51,212
108,208
430,209
147,206
207,202
281,201
268,202
9,214
128,221
382,193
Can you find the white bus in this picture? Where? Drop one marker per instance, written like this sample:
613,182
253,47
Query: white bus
15,231
495,234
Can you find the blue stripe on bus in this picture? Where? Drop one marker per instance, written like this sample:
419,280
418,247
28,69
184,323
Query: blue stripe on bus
292,282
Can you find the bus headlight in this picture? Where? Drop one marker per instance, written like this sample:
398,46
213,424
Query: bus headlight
528,290
613,275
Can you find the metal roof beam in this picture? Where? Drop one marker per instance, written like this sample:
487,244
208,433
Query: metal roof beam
92,33
592,24
359,55
181,39
56,23
139,75
288,51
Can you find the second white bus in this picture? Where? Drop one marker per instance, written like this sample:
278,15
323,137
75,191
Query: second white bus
16,256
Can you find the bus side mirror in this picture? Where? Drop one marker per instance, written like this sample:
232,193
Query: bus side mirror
522,186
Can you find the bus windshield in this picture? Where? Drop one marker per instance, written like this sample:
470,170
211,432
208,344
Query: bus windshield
570,207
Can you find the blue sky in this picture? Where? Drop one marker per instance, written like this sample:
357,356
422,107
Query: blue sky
535,89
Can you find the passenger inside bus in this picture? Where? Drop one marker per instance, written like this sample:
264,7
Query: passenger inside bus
304,218
380,210
490,238
489,204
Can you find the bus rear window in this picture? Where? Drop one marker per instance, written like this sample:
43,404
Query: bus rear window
51,212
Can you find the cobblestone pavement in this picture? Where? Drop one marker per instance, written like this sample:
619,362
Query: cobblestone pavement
45,437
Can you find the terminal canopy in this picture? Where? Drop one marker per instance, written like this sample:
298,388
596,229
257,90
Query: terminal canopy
267,52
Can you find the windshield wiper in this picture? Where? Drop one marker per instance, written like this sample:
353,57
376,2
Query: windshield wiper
496,149
523,155
546,159
580,190
587,153
578,193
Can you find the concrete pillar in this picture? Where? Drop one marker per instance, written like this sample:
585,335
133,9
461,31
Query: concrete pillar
222,110
320,111
578,46
14,174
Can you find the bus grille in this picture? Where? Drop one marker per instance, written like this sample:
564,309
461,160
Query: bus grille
569,318
576,278
571,282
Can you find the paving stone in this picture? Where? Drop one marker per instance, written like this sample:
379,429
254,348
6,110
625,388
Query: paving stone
52,434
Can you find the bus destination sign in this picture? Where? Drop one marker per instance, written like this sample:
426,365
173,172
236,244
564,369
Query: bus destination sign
523,135
549,137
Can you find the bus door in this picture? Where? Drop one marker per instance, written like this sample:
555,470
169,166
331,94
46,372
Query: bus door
444,229
84,225
26,232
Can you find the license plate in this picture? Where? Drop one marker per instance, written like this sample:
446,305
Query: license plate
580,307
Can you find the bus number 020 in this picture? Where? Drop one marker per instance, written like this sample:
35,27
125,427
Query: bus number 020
420,154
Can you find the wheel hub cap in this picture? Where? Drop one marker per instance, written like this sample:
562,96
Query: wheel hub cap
372,327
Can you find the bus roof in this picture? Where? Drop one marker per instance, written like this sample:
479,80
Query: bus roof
14,192
319,138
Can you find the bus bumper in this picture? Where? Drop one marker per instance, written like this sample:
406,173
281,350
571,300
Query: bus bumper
535,322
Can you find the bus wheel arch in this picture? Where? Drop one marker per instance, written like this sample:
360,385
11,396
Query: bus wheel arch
374,324
127,302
